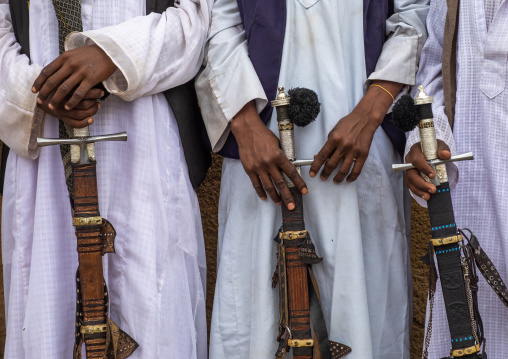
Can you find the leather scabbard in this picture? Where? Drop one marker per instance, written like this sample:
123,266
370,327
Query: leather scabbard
87,221
448,256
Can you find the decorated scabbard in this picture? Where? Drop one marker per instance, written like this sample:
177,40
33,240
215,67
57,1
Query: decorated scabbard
454,270
298,293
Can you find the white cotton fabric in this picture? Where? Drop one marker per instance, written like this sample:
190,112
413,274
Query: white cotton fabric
480,199
156,278
358,228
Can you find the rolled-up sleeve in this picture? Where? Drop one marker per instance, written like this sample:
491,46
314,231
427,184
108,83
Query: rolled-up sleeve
155,52
407,34
228,80
430,76
21,122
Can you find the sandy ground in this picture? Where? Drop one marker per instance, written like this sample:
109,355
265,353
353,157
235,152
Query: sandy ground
208,199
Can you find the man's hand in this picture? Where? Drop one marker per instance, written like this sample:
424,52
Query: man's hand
351,138
262,158
414,180
71,75
81,115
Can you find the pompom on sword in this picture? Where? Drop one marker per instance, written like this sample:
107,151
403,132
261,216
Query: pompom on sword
299,302
95,237
455,257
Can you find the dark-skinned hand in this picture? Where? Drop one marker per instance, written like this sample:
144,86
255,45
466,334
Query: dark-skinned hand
350,140
71,75
262,158
414,180
81,115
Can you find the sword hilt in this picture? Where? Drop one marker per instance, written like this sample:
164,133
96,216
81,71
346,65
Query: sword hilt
84,142
42,142
419,112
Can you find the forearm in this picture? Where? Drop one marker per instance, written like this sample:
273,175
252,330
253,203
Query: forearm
20,122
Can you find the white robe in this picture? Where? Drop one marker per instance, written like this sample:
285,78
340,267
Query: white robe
359,228
156,278
480,199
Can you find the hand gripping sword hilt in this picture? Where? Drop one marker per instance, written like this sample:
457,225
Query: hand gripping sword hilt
419,112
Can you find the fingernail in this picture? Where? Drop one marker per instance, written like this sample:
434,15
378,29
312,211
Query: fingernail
312,174
431,175
34,90
90,121
51,107
278,203
423,197
291,206
67,107
102,93
305,190
99,105
39,101
263,198
322,178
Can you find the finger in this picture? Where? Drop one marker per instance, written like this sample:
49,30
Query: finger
418,160
291,172
269,187
357,169
82,114
344,169
77,123
258,187
64,90
331,165
78,95
51,84
418,185
283,188
85,105
46,73
321,158
443,151
94,94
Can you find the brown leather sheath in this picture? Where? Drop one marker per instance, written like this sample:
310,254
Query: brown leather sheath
88,224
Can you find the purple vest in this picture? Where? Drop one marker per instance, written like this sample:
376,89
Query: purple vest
265,25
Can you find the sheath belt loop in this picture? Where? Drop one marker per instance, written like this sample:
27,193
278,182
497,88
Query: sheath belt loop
446,240
86,221
93,329
467,351
301,343
290,235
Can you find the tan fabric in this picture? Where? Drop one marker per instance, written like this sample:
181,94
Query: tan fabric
449,59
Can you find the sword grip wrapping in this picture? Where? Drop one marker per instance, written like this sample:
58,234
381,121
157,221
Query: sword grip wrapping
89,246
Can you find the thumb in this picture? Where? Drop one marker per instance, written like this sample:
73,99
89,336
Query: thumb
443,151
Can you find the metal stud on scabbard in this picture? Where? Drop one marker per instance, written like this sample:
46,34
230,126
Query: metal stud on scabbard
296,252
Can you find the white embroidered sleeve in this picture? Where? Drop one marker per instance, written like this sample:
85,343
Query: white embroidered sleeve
406,33
228,81
430,77
154,52
21,122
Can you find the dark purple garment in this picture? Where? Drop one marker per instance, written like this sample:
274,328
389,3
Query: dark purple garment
265,25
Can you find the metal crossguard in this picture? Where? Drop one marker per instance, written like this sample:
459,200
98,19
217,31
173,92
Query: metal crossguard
433,163
84,157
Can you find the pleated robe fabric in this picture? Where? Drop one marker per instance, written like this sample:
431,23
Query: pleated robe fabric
157,277
358,228
480,198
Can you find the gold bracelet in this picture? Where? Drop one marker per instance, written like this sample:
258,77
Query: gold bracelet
388,92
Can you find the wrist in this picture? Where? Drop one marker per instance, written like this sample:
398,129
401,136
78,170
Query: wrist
245,118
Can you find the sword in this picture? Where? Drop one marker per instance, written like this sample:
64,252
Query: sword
95,236
298,293
454,258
